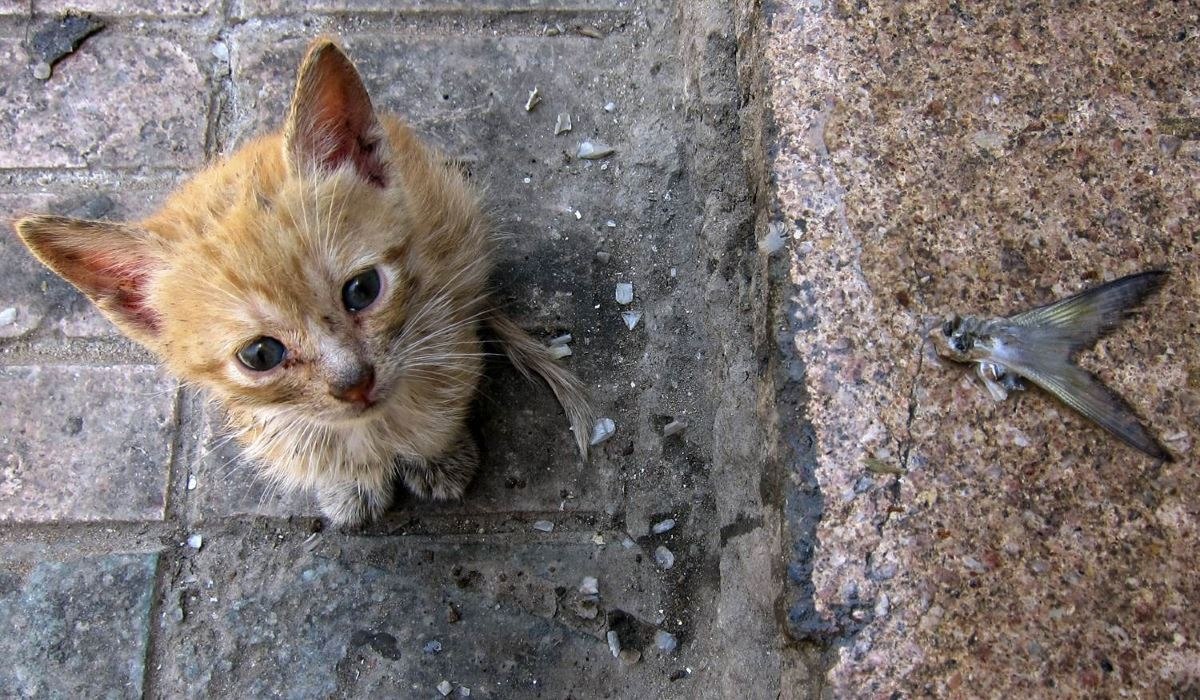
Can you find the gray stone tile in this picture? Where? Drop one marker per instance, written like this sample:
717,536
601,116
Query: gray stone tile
275,7
41,299
351,616
84,443
77,628
126,8
119,101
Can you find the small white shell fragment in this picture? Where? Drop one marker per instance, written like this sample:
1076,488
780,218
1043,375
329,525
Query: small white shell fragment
610,106
444,688
563,339
624,293
191,484
610,223
614,643
594,150
578,216
8,316
560,351
543,526
589,586
675,427
534,99
603,430
664,526
664,557
665,641
773,241
196,541
562,124
631,318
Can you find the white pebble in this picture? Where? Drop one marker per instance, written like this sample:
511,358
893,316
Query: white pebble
196,541
560,340
560,351
603,430
444,688
624,293
589,586
191,485
664,557
8,316
543,526
631,318
664,526
562,124
665,641
610,223
614,643
610,106
589,150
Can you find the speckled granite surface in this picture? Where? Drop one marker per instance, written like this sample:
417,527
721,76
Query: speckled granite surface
941,157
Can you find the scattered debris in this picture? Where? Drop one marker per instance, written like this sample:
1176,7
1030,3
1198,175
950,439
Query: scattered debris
589,586
196,541
589,150
59,38
554,30
560,351
562,124
664,557
614,643
610,106
191,484
452,614
630,657
563,339
544,525
8,316
624,293
675,427
433,646
665,641
610,223
589,32
773,241
598,539
664,526
603,430
631,318
444,688
534,99
464,691
882,606
578,216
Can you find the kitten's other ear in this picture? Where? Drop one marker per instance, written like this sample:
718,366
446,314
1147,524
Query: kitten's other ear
110,263
332,122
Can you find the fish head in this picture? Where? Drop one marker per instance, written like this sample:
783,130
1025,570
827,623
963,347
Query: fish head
959,338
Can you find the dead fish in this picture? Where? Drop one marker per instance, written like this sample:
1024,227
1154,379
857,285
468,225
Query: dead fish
1040,345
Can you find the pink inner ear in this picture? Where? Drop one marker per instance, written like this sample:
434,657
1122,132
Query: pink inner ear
339,127
122,283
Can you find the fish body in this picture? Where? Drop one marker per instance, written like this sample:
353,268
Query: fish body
1040,345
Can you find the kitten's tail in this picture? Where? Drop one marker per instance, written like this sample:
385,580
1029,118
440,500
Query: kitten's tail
531,357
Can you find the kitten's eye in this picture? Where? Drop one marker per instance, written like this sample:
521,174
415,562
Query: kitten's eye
262,354
361,290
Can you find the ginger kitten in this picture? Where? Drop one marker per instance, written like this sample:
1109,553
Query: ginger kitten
327,285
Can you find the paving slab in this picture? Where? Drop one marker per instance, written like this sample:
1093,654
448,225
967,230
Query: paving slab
123,99
940,159
350,616
82,444
77,627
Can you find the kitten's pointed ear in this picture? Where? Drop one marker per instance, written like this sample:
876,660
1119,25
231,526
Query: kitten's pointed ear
332,122
110,263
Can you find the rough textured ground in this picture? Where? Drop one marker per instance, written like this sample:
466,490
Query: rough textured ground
936,158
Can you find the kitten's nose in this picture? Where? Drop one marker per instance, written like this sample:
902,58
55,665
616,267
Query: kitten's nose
356,387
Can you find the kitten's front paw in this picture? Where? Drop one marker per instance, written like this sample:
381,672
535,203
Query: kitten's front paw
352,503
444,478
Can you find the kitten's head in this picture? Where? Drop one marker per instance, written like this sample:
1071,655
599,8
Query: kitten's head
304,275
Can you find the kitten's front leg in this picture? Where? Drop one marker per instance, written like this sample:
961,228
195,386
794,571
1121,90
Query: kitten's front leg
443,478
351,502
